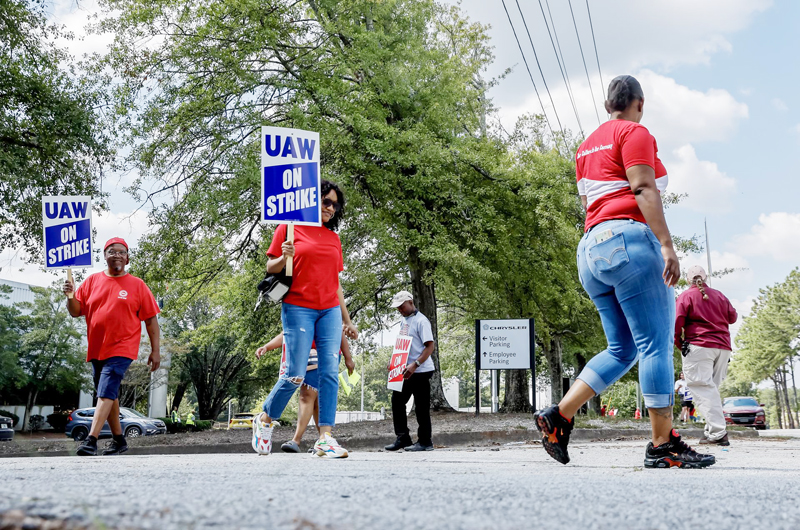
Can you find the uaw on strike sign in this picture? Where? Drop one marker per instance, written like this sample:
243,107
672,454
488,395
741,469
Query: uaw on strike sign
67,225
402,347
290,176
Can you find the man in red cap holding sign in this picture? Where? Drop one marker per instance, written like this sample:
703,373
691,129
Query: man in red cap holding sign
115,304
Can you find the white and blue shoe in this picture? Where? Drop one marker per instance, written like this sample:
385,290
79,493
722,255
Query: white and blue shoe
262,435
328,447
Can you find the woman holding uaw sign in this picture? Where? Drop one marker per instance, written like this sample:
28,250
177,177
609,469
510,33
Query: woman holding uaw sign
313,309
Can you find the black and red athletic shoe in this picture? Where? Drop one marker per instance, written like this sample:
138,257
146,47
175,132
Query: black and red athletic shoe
556,430
676,453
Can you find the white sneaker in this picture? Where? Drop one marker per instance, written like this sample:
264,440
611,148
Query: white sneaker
328,447
262,435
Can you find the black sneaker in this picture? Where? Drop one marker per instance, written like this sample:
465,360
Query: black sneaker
88,447
556,430
722,441
419,447
402,442
116,448
675,453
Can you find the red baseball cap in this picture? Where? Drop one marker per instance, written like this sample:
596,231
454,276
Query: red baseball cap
115,240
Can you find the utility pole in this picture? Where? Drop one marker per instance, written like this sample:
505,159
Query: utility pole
708,251
363,362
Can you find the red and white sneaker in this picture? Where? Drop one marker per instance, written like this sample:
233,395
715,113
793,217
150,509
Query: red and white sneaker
328,447
262,435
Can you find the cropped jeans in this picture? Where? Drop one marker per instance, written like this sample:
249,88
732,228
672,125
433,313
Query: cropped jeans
301,327
620,266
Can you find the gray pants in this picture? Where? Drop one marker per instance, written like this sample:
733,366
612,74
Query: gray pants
705,369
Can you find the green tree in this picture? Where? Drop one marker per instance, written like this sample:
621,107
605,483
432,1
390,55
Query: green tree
11,374
51,354
390,86
767,343
52,140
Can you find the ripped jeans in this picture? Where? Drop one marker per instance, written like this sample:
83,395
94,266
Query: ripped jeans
620,266
301,327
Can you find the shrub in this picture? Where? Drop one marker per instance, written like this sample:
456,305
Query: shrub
58,421
36,422
174,428
14,417
203,425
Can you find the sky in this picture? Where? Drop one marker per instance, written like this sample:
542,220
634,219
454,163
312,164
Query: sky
718,78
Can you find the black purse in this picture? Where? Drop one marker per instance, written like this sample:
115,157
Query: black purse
274,287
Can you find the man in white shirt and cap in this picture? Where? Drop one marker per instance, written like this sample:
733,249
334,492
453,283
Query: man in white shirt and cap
417,377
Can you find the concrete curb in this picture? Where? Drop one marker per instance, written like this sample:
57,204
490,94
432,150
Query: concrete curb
447,439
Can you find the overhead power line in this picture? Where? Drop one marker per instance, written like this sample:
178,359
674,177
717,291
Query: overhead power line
584,60
564,74
535,56
525,60
596,55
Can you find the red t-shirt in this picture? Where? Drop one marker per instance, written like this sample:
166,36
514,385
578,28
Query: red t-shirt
600,165
317,264
704,322
115,308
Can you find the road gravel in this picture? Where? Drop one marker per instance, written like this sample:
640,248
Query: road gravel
756,483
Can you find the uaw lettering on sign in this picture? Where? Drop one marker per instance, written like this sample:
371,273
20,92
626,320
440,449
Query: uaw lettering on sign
398,362
67,222
290,173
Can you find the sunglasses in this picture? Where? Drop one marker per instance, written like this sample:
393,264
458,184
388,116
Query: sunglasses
327,203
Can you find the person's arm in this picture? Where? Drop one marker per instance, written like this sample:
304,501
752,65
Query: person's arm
732,314
350,330
274,344
585,202
426,352
348,358
73,305
642,179
680,321
154,332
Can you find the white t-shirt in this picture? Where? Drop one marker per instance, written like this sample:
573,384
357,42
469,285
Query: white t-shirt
418,327
682,389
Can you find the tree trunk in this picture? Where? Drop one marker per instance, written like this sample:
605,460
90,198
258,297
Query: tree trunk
516,394
33,393
778,401
425,300
790,418
180,391
552,354
794,388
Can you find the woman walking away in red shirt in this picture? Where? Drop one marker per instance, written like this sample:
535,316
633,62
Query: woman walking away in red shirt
702,318
628,267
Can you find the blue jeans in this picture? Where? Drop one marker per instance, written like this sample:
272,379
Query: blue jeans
622,275
301,327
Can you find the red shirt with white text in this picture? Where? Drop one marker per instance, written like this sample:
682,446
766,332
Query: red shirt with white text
114,307
600,166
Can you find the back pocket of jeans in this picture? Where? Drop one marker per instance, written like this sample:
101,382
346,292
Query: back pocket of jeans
610,255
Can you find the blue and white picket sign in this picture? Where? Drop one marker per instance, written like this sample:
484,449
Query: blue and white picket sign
290,184
67,222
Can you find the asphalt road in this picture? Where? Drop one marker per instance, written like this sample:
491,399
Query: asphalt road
755,484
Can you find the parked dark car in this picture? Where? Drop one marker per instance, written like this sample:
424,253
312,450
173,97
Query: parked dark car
745,411
6,428
133,423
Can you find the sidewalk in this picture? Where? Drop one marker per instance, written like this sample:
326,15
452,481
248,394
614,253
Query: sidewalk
449,430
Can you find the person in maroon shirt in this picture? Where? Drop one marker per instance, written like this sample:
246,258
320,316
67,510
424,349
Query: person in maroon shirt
702,317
